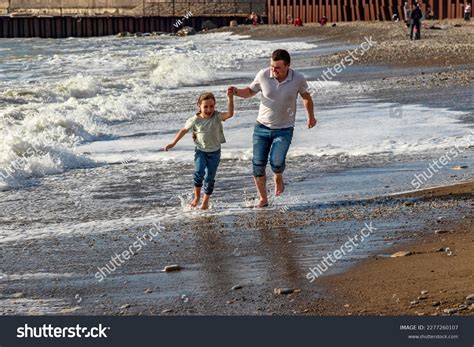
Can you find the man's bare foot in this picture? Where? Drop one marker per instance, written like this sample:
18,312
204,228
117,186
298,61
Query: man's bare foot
262,203
205,202
195,202
197,196
279,184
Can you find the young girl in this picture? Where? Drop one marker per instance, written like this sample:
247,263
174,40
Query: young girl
207,125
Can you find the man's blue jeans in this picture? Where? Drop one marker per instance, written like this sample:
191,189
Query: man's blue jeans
267,142
205,168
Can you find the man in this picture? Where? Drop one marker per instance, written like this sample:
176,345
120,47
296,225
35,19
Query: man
280,86
406,13
416,16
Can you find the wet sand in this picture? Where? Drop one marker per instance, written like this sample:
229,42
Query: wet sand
434,279
232,265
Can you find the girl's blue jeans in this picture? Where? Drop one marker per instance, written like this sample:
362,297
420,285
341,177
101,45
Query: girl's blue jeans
205,168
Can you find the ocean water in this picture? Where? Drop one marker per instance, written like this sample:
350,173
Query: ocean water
83,123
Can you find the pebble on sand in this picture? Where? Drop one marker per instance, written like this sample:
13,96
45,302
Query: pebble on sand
283,291
459,167
238,286
401,254
170,268
424,292
450,310
470,299
440,231
70,310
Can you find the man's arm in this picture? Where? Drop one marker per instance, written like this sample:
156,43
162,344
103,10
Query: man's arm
243,93
309,106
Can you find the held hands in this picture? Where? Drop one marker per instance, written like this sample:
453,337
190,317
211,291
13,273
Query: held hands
312,122
231,91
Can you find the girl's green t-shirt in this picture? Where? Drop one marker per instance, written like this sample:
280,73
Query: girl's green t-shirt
209,132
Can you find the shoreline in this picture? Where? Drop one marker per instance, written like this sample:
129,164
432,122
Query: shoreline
433,279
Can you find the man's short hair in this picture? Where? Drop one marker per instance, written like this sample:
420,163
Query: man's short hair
281,54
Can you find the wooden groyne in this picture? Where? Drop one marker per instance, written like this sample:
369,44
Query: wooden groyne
89,26
284,11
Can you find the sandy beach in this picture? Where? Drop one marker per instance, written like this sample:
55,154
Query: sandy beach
61,228
434,279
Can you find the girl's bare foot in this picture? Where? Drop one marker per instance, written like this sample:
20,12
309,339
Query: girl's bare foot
262,203
279,184
195,202
205,202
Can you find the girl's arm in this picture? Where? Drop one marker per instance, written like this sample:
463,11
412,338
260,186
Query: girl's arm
230,106
178,137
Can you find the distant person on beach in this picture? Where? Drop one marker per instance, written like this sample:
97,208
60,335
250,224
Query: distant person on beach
323,21
415,30
406,14
272,135
298,22
207,125
395,17
254,19
248,19
429,13
467,12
